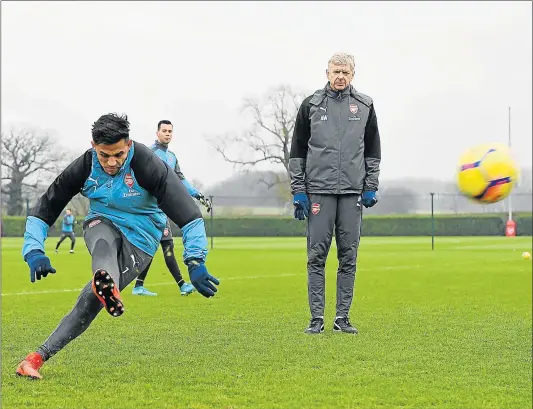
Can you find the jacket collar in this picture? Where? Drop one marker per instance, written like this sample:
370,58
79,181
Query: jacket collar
330,92
159,145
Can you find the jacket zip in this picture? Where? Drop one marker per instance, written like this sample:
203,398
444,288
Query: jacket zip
339,145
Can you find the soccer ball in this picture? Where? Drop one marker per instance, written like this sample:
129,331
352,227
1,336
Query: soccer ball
487,173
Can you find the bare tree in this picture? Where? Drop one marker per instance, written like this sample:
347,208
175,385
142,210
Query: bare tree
268,139
28,157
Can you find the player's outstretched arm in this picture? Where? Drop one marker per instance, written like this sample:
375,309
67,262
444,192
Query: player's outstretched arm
193,191
173,198
47,210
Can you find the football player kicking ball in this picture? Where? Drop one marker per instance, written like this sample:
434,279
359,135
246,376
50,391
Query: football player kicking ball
130,191
160,148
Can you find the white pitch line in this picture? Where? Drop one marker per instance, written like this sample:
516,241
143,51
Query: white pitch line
43,292
74,290
303,274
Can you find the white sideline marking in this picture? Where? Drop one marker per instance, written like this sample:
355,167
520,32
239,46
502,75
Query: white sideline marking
74,290
43,292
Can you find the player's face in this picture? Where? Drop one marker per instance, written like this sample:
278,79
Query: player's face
112,157
164,134
339,76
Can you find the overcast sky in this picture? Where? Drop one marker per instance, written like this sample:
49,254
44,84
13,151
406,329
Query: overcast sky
442,75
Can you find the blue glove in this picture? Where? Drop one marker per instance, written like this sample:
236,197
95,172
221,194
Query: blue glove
201,279
301,206
39,265
369,198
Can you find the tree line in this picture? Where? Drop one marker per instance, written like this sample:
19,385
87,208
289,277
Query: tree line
31,158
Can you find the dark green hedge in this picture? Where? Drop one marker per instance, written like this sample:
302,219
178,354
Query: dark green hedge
445,225
13,226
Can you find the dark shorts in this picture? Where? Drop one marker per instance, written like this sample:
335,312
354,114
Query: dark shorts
167,234
111,251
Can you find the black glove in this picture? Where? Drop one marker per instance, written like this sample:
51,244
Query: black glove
204,201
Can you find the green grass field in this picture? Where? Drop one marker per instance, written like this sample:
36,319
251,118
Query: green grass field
450,328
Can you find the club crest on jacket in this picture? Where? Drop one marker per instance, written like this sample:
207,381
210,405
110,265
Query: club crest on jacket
128,179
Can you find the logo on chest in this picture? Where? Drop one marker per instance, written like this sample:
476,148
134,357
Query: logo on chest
354,109
128,180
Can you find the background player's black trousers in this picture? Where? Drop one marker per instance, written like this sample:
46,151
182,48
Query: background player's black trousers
64,235
112,252
167,245
342,213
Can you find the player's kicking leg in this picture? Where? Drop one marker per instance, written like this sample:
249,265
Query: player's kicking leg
112,256
71,326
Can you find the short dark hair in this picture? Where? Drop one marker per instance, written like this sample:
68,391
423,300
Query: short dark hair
163,122
110,129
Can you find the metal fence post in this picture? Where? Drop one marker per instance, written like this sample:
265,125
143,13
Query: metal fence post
432,222
211,219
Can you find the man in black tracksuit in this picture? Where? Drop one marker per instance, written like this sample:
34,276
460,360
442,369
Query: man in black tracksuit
334,166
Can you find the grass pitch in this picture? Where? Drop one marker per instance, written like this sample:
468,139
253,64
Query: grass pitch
449,329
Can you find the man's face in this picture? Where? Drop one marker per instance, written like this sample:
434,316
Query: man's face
69,212
164,134
112,157
339,76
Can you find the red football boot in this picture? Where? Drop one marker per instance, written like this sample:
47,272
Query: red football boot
30,366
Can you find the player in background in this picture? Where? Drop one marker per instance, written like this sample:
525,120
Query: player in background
67,230
160,148
131,193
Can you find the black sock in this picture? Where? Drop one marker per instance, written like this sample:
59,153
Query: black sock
44,352
172,265
139,283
